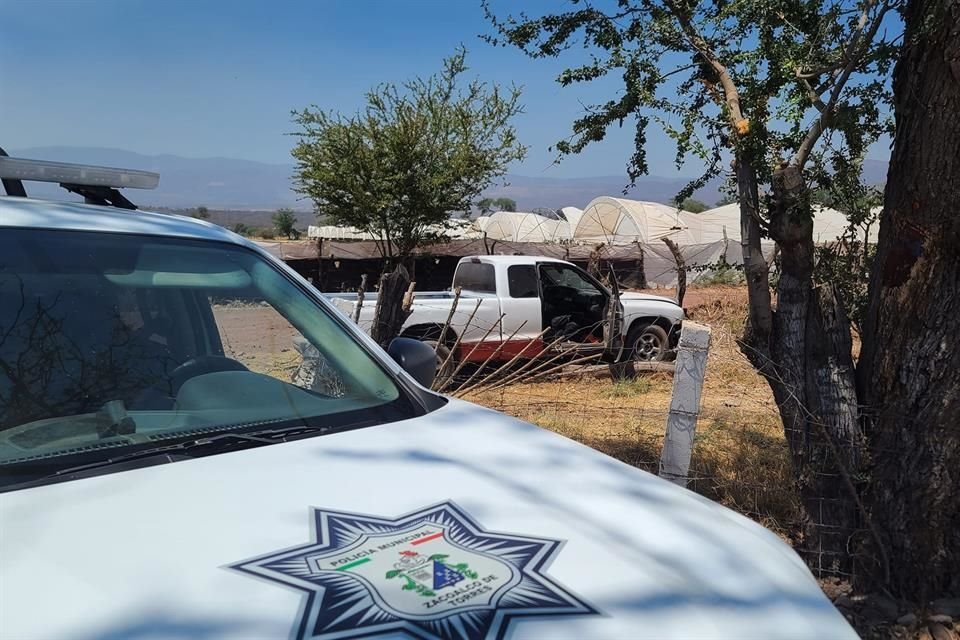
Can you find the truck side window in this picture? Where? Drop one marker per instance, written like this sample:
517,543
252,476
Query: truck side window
522,279
475,276
568,276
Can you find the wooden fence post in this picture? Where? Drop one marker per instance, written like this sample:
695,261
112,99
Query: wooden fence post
394,298
685,402
681,269
639,268
361,292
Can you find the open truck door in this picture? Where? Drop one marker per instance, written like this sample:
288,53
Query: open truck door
573,305
613,343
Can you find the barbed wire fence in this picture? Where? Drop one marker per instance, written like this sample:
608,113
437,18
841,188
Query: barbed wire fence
740,457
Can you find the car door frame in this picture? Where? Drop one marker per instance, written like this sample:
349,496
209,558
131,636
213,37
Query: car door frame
612,314
523,317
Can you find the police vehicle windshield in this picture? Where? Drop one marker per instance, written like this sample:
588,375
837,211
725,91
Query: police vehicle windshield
112,344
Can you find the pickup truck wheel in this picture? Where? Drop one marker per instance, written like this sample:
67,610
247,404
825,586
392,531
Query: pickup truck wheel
649,344
443,356
644,344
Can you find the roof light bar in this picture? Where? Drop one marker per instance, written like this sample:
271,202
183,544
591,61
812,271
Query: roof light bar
76,174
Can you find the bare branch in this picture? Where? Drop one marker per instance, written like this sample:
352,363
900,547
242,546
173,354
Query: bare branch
858,45
822,71
446,325
439,383
465,360
813,95
536,340
754,267
361,292
681,268
491,358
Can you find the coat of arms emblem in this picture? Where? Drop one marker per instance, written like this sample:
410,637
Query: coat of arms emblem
434,574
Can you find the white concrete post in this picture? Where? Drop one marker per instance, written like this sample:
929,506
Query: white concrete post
685,402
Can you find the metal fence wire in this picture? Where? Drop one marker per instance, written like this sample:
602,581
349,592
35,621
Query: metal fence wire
740,456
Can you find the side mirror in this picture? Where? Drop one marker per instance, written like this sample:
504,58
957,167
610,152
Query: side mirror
416,358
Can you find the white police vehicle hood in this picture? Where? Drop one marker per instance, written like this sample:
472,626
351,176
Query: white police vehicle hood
462,523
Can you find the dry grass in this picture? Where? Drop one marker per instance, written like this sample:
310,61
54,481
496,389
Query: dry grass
740,457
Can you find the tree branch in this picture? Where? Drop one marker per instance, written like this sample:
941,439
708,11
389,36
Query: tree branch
681,268
813,95
730,93
822,71
858,45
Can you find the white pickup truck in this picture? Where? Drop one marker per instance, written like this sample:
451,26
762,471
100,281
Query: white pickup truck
525,305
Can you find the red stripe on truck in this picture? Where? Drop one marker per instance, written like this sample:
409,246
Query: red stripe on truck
484,350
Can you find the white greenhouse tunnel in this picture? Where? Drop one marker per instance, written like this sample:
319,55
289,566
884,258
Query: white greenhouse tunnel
620,221
572,215
615,221
711,225
516,226
455,230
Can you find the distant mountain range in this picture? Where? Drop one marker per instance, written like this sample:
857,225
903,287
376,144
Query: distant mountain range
231,185
221,183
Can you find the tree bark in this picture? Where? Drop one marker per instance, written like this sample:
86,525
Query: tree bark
803,349
813,383
361,294
909,371
391,311
681,269
320,284
638,268
593,261
760,318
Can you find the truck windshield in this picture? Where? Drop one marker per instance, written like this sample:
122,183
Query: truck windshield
111,342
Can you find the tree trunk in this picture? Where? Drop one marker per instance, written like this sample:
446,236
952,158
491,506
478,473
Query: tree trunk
681,269
391,312
760,318
638,267
320,283
909,372
803,350
593,262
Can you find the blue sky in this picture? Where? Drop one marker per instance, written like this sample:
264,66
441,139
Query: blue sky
217,78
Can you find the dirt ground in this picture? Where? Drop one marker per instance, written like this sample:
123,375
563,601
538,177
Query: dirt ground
700,296
259,337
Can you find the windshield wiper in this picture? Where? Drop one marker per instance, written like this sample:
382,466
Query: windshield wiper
182,448
177,451
162,454
282,433
269,435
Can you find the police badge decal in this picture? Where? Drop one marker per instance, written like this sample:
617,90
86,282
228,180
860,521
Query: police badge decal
433,574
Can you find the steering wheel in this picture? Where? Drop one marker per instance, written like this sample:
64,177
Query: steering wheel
201,365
